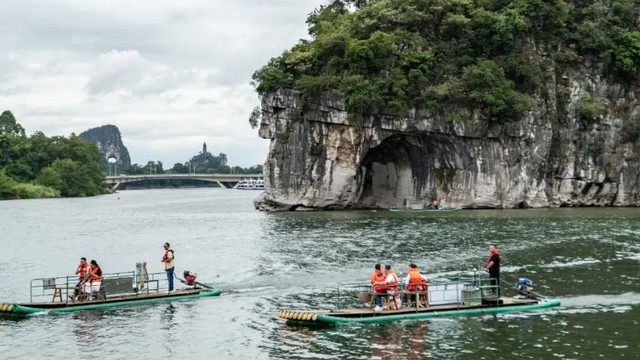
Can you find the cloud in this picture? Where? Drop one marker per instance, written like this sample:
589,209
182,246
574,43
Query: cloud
170,75
128,73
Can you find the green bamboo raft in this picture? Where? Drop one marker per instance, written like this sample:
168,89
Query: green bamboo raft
451,310
59,295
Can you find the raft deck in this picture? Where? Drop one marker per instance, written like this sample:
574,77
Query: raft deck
361,312
370,316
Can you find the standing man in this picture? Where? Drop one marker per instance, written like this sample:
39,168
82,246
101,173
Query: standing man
167,259
493,267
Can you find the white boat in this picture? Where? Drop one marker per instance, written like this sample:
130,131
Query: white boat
250,185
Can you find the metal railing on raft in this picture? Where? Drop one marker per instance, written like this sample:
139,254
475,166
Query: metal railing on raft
463,291
64,289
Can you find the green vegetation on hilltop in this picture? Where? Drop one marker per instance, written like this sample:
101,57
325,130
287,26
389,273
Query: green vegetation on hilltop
39,166
486,55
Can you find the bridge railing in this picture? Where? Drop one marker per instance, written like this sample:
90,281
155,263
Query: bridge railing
181,176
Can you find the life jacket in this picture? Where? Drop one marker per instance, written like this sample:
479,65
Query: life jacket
95,273
165,257
416,282
393,284
374,275
380,285
82,270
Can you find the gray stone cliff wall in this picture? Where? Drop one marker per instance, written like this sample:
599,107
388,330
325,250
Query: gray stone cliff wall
109,142
551,157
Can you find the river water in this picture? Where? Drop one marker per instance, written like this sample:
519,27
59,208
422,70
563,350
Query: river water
587,257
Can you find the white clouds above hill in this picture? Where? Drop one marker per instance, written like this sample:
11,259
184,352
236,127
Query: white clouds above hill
169,75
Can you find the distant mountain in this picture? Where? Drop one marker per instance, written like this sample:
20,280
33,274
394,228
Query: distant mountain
109,142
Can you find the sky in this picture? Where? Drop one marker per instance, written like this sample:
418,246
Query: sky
170,75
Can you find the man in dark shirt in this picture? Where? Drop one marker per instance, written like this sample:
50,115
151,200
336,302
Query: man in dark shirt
493,266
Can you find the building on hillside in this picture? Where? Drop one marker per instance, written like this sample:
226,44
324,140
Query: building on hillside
206,161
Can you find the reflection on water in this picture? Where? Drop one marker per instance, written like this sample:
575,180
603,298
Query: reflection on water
167,319
388,341
169,325
265,262
86,326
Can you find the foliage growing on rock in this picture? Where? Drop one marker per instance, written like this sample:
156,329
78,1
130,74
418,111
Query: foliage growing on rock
486,55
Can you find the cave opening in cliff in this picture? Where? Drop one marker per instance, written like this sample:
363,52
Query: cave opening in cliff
404,170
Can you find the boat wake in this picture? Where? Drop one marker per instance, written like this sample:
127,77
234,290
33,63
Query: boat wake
248,289
600,303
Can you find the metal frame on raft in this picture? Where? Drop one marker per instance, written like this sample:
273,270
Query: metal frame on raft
464,290
63,287
117,289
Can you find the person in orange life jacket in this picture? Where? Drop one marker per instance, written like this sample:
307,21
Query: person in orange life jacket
167,260
380,289
376,272
93,279
377,281
82,270
415,281
391,279
492,265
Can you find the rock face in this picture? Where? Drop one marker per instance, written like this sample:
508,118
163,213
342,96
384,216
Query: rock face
551,157
109,142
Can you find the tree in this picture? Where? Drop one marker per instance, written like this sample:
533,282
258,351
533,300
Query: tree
397,54
9,126
180,168
39,166
254,117
6,186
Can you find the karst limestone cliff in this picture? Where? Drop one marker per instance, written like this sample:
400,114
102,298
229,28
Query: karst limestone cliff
481,104
109,142
318,160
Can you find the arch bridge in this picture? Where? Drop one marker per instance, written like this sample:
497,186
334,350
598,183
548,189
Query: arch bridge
226,181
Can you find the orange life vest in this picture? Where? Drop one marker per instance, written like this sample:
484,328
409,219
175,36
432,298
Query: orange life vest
374,275
380,285
416,282
95,275
83,270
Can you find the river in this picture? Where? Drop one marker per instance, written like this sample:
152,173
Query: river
587,257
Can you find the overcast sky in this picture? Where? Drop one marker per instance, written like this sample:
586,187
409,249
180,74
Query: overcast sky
171,75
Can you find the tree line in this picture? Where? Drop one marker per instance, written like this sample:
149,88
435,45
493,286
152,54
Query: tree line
39,166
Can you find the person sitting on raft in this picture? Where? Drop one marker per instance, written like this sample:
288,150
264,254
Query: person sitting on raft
391,280
416,282
377,270
93,280
379,283
82,270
